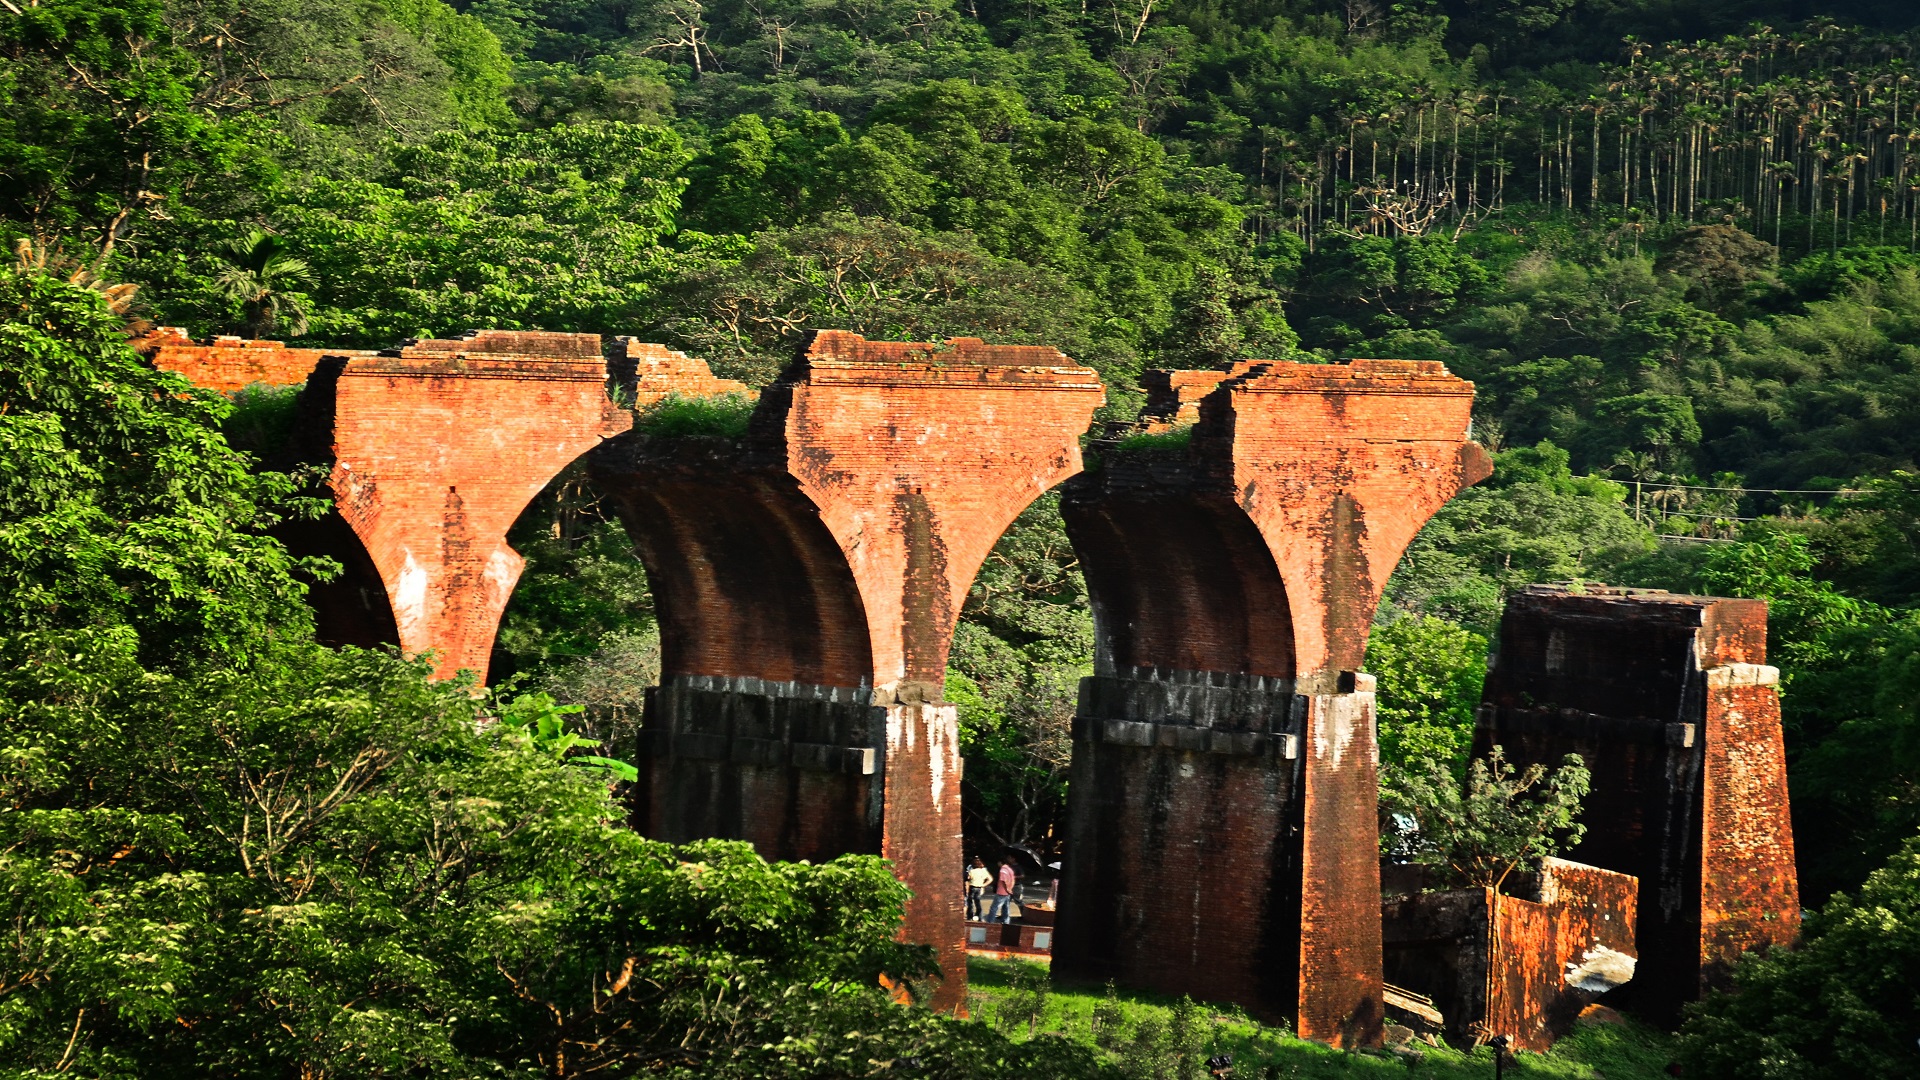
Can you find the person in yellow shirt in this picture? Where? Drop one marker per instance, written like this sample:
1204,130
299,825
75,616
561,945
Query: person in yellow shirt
978,878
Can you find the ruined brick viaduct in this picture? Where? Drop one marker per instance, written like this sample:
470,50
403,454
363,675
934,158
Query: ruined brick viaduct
809,578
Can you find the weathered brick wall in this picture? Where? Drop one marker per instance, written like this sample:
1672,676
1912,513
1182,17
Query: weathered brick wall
437,447
1579,923
1667,699
227,364
1173,397
1749,894
834,547
1340,465
1339,846
1521,964
1439,945
919,458
1182,787
720,750
647,372
1259,551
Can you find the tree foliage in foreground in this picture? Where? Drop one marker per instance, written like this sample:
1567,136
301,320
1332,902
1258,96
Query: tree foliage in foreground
323,864
1844,1004
120,502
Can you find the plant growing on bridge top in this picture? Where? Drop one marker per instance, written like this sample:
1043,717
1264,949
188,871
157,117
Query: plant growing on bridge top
1504,818
1169,443
681,416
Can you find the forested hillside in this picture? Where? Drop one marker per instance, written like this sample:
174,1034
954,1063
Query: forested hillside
1676,243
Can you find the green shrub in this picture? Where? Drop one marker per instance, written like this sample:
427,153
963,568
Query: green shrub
1845,1004
1505,818
327,864
262,419
677,416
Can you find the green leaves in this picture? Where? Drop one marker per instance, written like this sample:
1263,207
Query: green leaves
120,503
1533,521
558,230
1505,819
677,416
1844,1003
747,311
543,723
1430,674
325,861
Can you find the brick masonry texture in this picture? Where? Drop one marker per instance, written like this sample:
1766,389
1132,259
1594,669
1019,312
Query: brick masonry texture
1517,965
1240,862
227,364
437,447
825,558
1669,700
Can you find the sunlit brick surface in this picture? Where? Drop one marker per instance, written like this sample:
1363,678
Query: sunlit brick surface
1669,700
1520,966
1233,585
809,579
227,364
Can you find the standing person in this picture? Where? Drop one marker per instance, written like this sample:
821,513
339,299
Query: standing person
978,878
1002,894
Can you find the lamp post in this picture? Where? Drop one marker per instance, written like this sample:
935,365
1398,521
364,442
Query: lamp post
1499,1044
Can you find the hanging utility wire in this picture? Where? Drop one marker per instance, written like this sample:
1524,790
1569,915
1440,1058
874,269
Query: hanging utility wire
1743,490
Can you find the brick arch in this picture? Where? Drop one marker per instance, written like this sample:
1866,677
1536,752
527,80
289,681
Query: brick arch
437,447
1208,776
1179,581
352,608
810,577
747,580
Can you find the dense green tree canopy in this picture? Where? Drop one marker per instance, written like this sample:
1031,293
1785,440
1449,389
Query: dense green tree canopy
1672,242
121,505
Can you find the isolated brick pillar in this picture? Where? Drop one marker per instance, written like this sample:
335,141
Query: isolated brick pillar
1670,702
809,579
1222,827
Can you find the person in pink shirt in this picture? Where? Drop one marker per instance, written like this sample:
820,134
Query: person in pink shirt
1002,894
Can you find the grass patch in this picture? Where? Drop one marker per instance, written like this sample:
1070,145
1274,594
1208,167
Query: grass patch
1171,443
677,416
1158,1038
